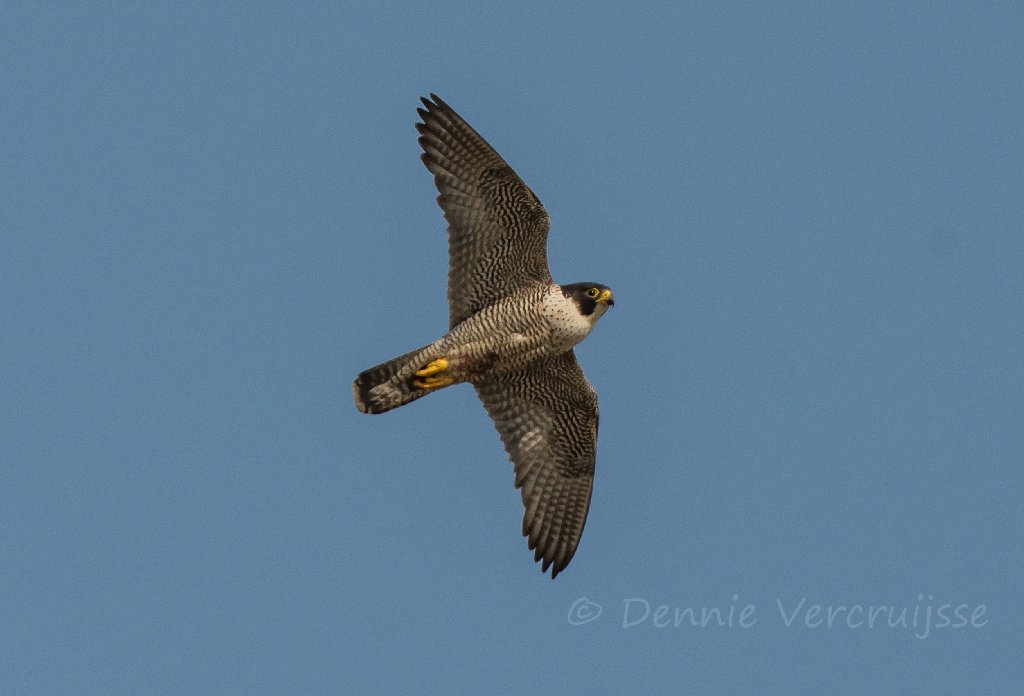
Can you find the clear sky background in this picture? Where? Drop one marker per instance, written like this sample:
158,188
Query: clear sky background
812,382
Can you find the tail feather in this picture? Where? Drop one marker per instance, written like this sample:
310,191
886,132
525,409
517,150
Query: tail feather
389,385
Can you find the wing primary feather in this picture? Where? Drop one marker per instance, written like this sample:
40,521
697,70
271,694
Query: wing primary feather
502,246
546,415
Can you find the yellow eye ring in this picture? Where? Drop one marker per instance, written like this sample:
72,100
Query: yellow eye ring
593,292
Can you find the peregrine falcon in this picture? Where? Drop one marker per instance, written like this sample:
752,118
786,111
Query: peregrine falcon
511,334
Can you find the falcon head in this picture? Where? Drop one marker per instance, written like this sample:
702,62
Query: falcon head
592,299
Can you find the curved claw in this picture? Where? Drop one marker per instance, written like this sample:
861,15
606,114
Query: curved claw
433,367
435,382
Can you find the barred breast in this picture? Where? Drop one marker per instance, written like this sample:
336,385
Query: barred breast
528,325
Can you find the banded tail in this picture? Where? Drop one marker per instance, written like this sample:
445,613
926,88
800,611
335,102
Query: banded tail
400,380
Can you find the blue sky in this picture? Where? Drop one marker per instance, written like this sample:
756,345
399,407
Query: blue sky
811,384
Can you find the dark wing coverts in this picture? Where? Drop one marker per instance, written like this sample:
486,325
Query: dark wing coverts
547,418
497,229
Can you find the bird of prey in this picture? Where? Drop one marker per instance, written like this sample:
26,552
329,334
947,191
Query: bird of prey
511,334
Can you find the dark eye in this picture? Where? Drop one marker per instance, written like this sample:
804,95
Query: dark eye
593,292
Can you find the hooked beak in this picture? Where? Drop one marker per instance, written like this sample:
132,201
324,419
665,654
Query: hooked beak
606,298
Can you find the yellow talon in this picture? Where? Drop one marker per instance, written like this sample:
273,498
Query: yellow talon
432,368
432,382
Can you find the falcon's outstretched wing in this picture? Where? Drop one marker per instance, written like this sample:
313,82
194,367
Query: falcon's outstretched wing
497,229
547,417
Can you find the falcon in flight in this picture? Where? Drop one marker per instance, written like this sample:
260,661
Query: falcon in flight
511,334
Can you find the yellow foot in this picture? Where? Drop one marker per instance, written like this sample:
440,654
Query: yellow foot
432,382
433,367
